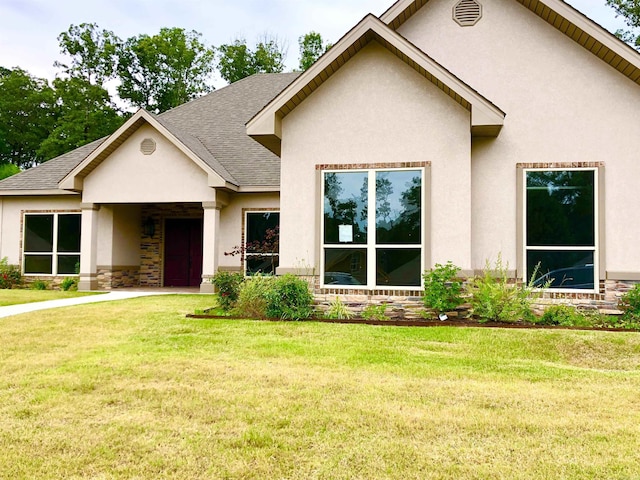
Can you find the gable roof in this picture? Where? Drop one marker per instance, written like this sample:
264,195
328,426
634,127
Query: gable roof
209,129
560,15
486,118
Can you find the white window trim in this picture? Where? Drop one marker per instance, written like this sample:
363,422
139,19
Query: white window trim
371,245
246,231
54,253
596,222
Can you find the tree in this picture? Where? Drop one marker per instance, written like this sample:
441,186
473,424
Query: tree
26,116
165,70
8,169
84,113
237,61
311,48
93,52
630,10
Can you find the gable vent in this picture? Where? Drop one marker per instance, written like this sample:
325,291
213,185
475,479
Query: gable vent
467,12
147,146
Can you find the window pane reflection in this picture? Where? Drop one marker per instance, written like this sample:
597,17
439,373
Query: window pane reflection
398,206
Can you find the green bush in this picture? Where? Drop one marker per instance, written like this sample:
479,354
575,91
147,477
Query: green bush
9,274
290,298
442,289
252,297
495,298
338,310
375,312
39,285
69,283
563,315
228,288
630,304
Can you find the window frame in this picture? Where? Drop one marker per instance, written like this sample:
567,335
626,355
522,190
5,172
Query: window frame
54,253
245,235
597,214
371,246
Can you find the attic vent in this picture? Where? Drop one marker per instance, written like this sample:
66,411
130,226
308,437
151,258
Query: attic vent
467,12
147,146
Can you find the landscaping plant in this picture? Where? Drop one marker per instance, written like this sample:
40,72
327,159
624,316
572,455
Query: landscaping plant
9,274
630,303
338,310
228,287
252,297
375,312
442,288
289,297
69,283
39,285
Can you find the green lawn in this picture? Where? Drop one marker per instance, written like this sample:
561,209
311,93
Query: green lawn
133,389
17,296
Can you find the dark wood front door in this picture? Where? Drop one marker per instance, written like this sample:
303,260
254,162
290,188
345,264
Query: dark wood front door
183,252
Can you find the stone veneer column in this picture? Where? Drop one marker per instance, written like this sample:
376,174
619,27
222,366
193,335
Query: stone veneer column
211,230
89,247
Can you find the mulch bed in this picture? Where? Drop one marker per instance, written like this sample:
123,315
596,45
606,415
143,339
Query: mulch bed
426,323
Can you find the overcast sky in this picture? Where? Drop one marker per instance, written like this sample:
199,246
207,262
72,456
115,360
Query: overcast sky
29,28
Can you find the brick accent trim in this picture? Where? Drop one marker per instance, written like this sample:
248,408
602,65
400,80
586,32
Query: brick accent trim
561,165
370,166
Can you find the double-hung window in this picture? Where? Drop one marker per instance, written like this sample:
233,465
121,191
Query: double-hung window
372,228
561,234
51,243
261,242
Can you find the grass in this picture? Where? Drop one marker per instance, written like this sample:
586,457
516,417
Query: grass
17,296
134,389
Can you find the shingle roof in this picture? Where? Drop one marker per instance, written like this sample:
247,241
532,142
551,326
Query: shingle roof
212,127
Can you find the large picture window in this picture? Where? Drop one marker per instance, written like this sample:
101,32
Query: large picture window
561,228
261,242
372,228
51,243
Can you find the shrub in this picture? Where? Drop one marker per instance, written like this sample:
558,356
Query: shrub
228,287
375,312
39,285
442,289
338,310
630,304
289,298
563,315
69,283
252,297
9,274
494,298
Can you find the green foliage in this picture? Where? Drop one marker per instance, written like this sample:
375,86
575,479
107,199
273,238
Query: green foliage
8,169
252,297
338,310
163,71
375,312
289,298
563,315
228,288
26,116
630,303
442,289
630,10
237,61
495,298
39,285
69,284
9,274
311,48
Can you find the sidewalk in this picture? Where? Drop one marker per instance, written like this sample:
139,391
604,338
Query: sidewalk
67,302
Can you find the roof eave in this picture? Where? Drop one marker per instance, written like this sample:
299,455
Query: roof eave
43,192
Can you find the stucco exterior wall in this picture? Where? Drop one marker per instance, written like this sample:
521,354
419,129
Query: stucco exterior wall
11,221
129,176
376,109
563,104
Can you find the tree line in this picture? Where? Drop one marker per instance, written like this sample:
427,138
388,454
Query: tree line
40,120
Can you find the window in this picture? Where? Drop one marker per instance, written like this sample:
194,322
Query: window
51,244
261,242
561,228
383,249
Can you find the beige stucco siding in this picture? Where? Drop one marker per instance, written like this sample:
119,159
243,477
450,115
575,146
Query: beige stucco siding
231,222
11,211
376,109
563,104
127,175
119,230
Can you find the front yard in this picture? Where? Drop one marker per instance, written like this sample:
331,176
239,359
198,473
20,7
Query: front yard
18,296
133,389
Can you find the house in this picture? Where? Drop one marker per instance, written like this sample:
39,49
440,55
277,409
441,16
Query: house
443,130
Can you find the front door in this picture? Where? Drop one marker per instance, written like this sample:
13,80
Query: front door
183,252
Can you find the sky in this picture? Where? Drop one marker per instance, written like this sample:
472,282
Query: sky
29,28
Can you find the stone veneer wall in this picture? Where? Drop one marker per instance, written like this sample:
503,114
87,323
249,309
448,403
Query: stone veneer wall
118,277
151,249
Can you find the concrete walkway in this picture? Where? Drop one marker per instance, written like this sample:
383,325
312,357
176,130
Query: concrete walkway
68,302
